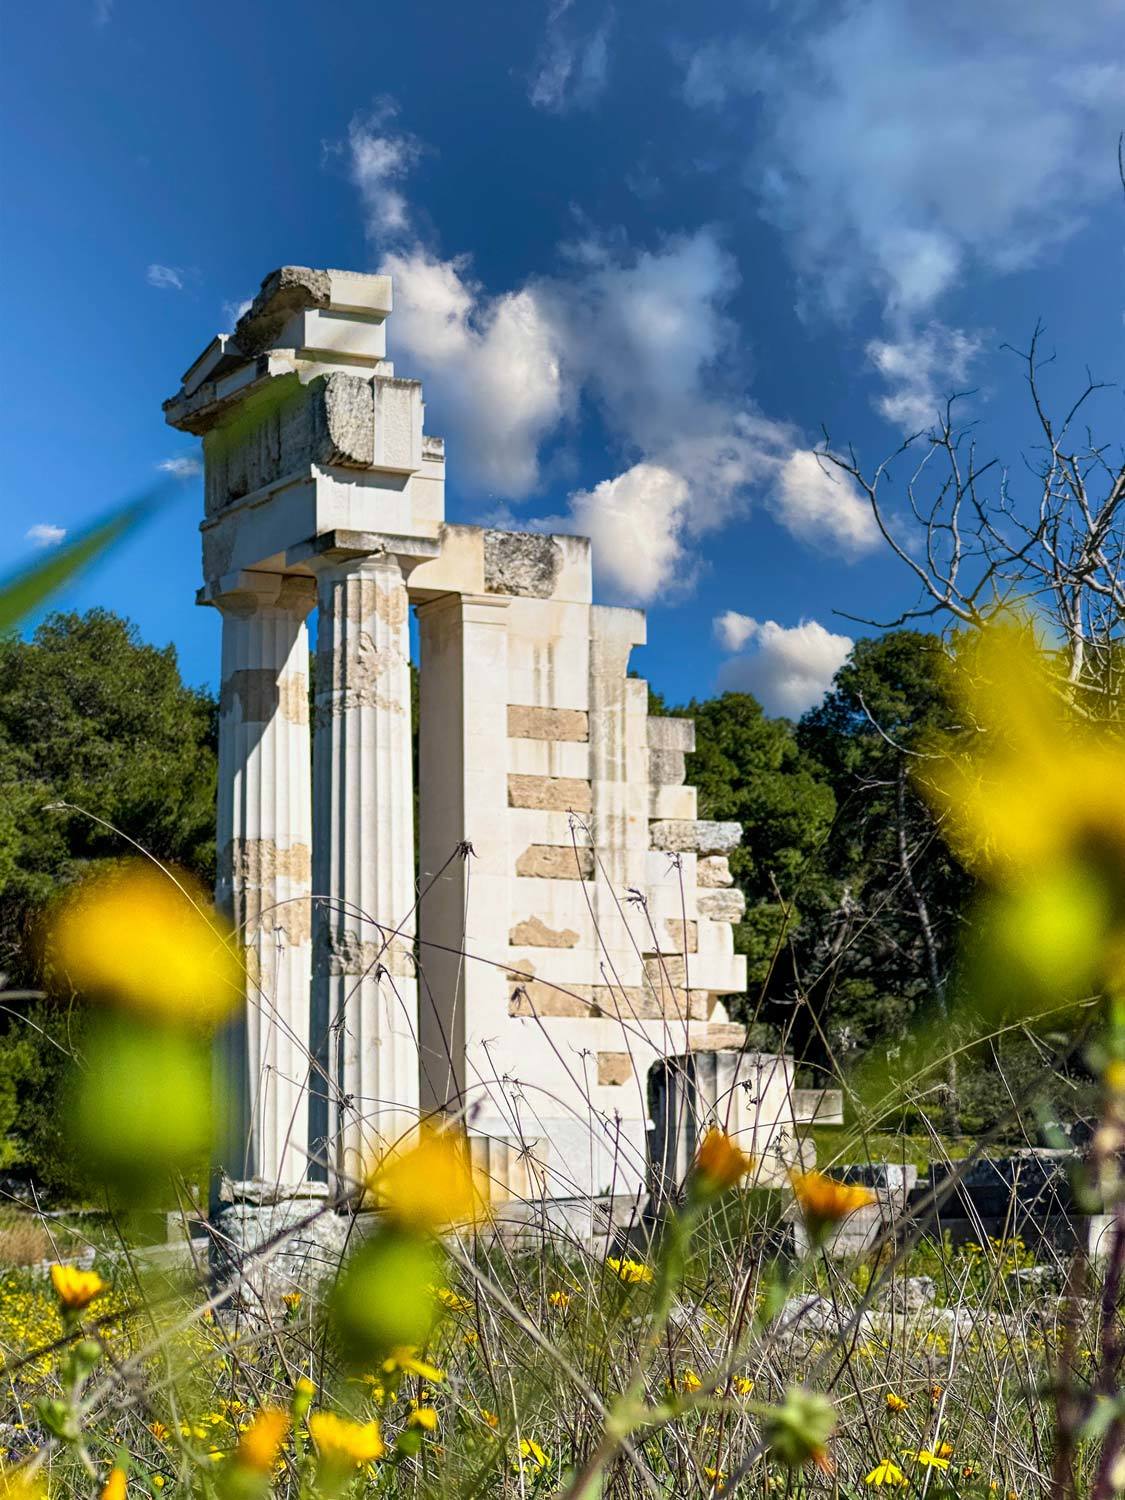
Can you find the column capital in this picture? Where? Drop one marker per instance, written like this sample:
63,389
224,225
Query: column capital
346,550
245,593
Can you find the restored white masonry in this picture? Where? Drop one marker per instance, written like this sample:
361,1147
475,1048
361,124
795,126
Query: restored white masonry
564,924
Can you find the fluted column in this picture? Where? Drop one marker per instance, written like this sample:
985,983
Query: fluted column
365,994
264,843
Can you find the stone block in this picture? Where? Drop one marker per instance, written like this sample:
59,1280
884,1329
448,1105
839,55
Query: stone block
615,1068
818,1106
683,937
673,803
712,871
527,722
517,562
534,933
721,906
550,793
666,767
556,862
694,836
535,997
671,734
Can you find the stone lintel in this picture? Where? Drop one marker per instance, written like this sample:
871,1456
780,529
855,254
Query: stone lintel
694,836
523,563
243,592
556,862
529,722
550,793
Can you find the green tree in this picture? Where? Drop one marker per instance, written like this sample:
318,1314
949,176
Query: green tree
888,945
92,718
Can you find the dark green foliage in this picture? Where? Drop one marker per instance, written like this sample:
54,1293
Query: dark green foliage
91,717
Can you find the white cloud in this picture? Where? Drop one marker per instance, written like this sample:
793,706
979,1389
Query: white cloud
790,669
232,311
818,504
920,369
642,334
734,630
167,277
496,363
899,142
636,525
183,466
379,159
572,68
44,534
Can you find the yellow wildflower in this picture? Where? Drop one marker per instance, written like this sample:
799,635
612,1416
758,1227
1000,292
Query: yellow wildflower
489,1417
258,1446
137,937
690,1381
825,1201
158,1480
886,1471
744,1385
631,1271
406,1361
430,1184
560,1300
343,1444
76,1289
720,1163
425,1417
530,1452
159,1431
291,1301
114,1487
945,1450
20,1483
895,1403
927,1459
452,1300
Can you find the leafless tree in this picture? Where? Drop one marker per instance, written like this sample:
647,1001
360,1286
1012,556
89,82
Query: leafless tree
977,539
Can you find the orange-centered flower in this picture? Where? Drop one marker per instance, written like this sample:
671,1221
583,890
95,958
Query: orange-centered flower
258,1445
823,1200
76,1289
720,1163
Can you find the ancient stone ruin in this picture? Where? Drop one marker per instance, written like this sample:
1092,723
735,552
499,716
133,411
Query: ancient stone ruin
566,926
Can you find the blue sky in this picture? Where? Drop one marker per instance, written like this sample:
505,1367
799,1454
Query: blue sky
643,253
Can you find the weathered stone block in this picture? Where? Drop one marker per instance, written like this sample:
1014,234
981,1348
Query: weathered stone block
343,421
615,1068
683,936
722,906
534,933
666,767
550,793
534,997
527,722
714,870
556,862
520,563
671,734
698,836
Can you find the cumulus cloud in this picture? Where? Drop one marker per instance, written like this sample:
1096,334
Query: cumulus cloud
44,534
901,141
169,278
183,466
818,504
918,369
572,68
644,336
789,670
734,630
379,159
497,363
636,524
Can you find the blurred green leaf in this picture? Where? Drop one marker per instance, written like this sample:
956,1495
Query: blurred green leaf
29,587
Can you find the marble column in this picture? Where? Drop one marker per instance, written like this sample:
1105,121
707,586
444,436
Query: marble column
365,993
264,842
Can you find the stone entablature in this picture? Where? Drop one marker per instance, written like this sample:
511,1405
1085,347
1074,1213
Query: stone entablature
569,922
